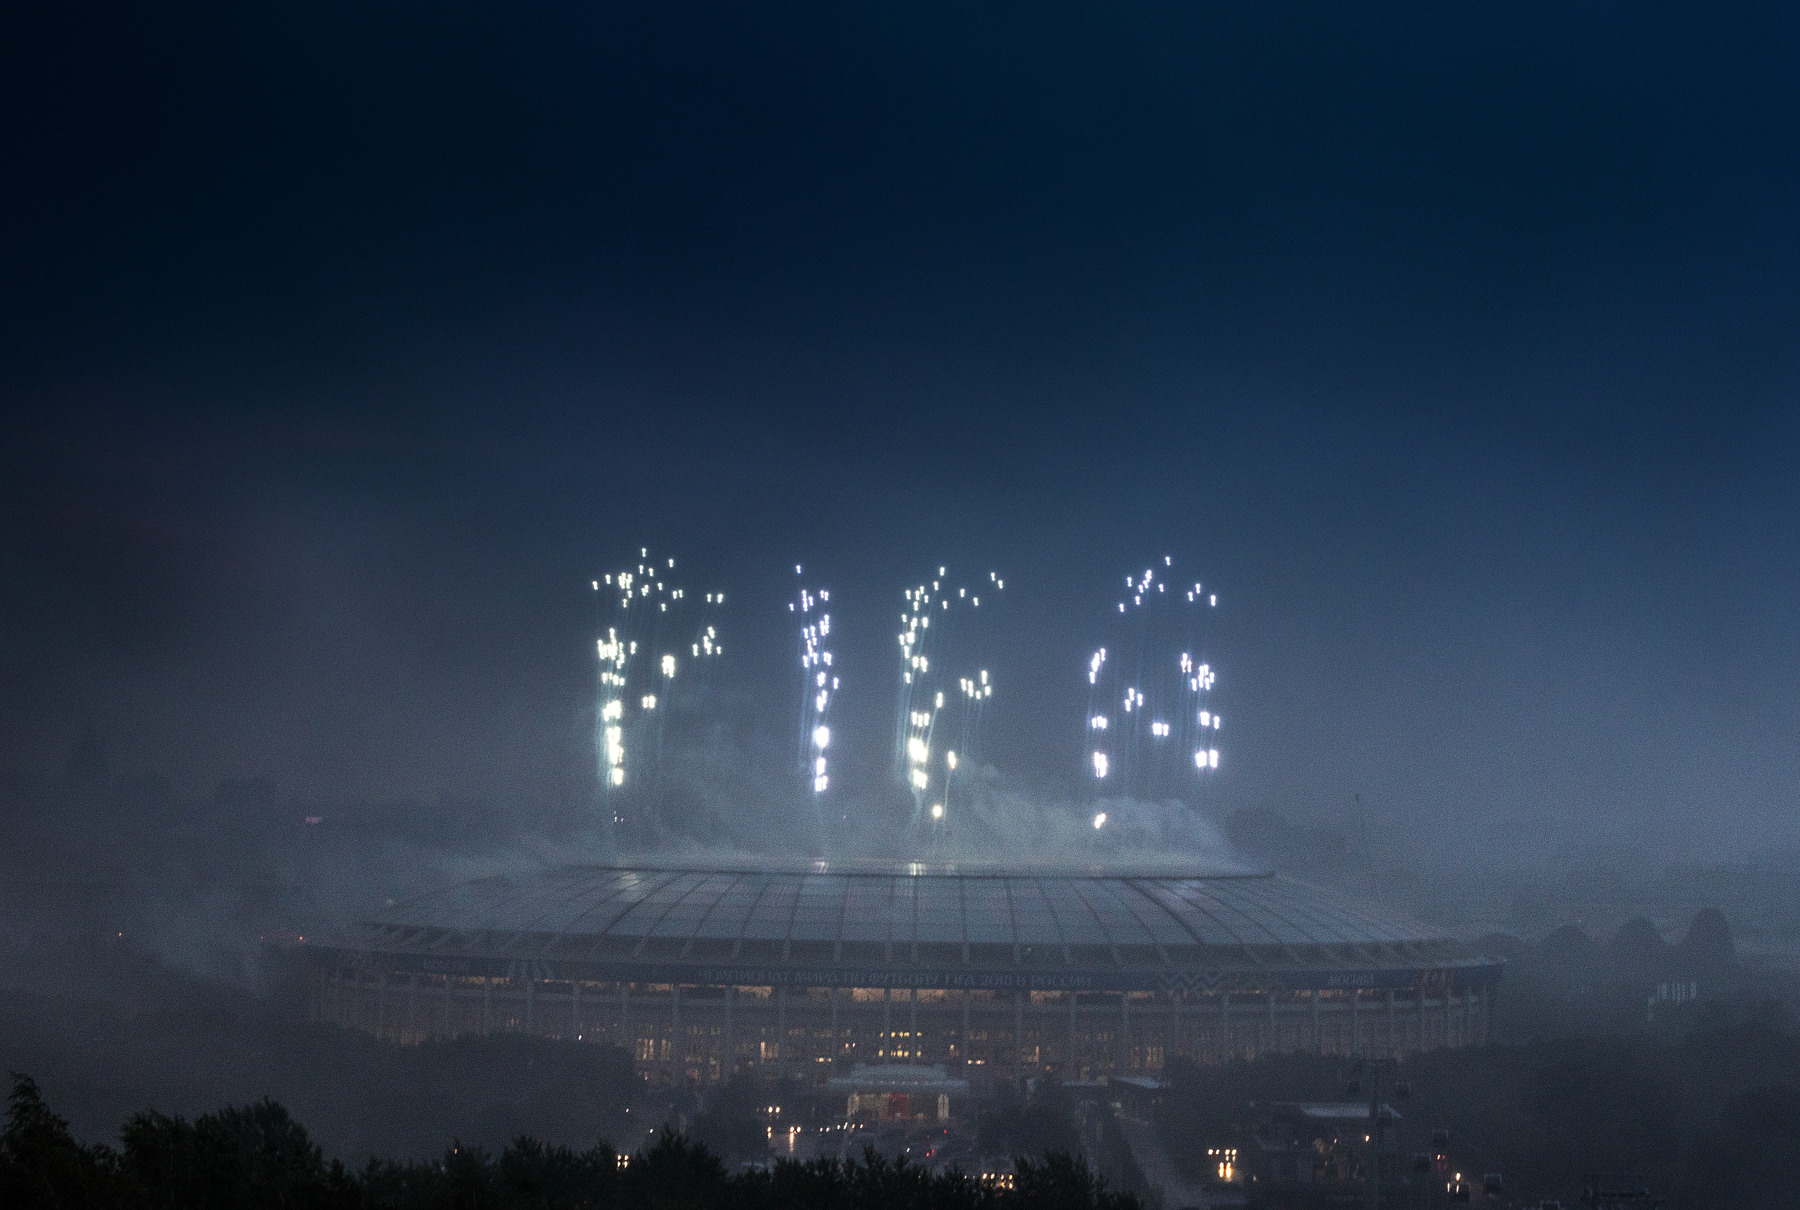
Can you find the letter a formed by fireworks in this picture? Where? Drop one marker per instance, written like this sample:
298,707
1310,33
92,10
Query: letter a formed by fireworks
1151,723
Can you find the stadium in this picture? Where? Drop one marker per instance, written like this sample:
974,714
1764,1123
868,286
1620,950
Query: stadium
906,976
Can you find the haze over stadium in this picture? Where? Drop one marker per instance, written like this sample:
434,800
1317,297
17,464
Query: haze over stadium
1005,953
997,542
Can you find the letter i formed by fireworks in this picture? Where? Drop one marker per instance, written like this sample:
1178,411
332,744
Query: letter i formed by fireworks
655,638
1151,724
818,685
941,682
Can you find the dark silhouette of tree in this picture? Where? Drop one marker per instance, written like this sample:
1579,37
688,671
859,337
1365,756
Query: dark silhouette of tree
731,1125
253,1155
1034,1125
43,1167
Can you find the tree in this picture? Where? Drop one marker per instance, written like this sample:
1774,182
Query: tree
41,1164
731,1124
256,1155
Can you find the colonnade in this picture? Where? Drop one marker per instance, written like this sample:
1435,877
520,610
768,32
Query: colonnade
698,1032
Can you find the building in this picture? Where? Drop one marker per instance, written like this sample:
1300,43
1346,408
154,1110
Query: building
808,973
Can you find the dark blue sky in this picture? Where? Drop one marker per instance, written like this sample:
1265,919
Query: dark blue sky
343,344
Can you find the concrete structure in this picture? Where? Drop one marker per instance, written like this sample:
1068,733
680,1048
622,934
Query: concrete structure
805,973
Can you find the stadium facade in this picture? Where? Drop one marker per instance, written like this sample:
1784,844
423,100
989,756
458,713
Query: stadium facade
809,973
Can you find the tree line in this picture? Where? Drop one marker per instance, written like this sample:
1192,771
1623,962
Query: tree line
255,1156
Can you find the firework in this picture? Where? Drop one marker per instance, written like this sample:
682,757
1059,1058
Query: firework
942,688
818,685
1151,725
658,642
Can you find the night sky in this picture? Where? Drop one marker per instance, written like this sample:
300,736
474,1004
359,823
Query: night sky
1454,345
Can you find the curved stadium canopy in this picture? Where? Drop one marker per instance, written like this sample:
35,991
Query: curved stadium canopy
915,925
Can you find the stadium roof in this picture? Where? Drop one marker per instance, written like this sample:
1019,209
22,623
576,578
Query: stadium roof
908,925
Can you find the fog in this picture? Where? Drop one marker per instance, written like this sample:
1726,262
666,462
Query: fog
342,349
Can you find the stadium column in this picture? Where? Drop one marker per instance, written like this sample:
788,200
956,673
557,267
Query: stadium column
1018,1038
836,1046
1270,1045
487,1005
530,1004
1318,1042
1177,1045
916,1049
731,1032
449,1004
380,1003
1073,1066
412,1007
625,1037
1222,1047
678,1043
781,1042
1393,1042
962,1039
1355,1025
1122,1052
575,1008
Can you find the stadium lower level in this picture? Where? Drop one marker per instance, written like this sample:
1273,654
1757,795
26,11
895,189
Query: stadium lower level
809,974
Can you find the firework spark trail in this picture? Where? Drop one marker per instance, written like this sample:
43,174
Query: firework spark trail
656,637
1151,727
937,651
818,687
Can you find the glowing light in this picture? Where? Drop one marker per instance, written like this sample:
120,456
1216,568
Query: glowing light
634,695
936,640
1100,764
1099,821
937,810
818,687
1145,688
